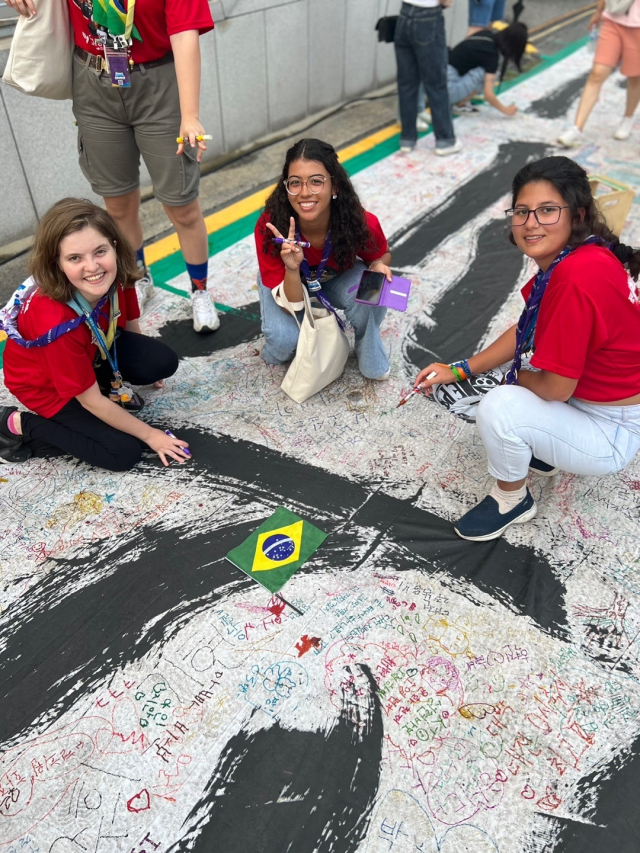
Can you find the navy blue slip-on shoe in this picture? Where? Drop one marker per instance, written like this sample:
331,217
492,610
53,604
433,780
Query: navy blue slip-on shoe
485,521
537,466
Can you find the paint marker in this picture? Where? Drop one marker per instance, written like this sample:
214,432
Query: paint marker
418,388
291,242
181,139
185,450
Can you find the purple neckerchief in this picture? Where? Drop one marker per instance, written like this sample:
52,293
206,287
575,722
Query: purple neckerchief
9,322
529,317
313,284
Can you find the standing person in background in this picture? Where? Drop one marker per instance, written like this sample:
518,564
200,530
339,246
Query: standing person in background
484,12
618,43
421,54
140,102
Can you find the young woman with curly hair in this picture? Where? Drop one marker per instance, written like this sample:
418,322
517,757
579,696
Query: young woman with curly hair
315,202
579,409
74,337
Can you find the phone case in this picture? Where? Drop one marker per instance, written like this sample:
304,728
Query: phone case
394,294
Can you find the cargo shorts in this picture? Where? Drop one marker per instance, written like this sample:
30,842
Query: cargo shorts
117,125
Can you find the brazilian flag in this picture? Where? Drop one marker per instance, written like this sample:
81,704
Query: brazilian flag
277,549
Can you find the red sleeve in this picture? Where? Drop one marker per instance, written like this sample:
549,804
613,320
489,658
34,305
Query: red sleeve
130,299
271,267
378,244
70,364
182,15
569,327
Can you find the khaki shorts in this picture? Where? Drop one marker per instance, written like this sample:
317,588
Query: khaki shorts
619,44
116,126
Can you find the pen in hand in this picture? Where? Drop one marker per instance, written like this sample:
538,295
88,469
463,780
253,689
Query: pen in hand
415,390
185,450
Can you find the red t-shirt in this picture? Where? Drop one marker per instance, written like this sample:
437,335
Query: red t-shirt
589,326
272,267
44,379
155,20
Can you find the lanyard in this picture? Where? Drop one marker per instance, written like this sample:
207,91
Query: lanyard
120,393
529,317
314,285
113,22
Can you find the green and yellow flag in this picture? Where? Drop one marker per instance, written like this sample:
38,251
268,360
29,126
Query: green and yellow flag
277,549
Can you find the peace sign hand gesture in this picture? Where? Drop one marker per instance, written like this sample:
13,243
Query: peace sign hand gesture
292,256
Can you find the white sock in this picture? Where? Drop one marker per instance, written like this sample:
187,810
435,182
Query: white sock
508,500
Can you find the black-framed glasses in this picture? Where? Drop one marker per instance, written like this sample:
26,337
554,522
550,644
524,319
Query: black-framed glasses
548,214
314,184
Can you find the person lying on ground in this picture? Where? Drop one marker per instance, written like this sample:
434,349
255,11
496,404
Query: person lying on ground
578,409
315,202
74,346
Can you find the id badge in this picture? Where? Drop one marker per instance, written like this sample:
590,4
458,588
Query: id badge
118,64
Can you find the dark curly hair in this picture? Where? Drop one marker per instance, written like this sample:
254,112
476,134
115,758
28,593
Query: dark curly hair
571,181
350,233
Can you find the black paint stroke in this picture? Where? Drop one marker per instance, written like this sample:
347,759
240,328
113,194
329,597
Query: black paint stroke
411,245
557,103
464,312
56,650
615,818
237,326
278,790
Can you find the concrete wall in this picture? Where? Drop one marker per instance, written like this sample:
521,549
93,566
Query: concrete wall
267,64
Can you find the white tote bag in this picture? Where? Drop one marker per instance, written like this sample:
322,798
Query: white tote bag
42,52
322,349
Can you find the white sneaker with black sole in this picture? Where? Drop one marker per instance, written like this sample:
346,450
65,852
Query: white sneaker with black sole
205,316
144,289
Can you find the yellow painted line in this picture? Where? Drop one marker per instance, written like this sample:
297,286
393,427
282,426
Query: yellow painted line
251,204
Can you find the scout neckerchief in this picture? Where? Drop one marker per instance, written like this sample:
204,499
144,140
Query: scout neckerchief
115,28
529,317
9,319
314,284
119,393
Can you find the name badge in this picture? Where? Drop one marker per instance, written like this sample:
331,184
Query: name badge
118,64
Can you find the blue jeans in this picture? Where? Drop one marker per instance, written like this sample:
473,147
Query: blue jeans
483,12
461,87
421,55
281,331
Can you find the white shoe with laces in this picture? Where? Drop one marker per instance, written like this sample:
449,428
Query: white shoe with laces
144,289
205,316
624,129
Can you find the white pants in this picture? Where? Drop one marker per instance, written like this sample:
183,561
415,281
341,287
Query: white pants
514,424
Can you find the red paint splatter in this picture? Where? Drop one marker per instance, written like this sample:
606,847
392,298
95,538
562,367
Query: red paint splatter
276,606
306,643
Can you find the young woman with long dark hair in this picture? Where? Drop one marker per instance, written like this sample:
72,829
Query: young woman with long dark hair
315,202
74,335
579,410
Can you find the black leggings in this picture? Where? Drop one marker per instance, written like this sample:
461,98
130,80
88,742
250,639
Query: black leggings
142,360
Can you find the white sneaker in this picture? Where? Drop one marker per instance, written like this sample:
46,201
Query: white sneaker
571,138
205,316
423,121
144,289
406,149
384,376
451,149
624,130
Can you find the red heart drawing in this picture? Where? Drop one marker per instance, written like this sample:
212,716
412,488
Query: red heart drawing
139,802
528,793
501,776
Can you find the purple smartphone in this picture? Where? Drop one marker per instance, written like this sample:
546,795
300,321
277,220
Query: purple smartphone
374,289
